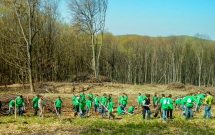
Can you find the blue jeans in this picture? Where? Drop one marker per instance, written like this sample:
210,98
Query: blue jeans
189,112
95,107
103,110
20,110
183,110
124,107
207,111
164,111
144,111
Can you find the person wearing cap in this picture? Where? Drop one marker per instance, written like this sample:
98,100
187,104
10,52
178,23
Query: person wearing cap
208,102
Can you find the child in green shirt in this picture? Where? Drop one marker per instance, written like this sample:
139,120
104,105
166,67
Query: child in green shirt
139,100
131,109
35,104
110,109
170,106
88,105
20,102
120,110
58,104
11,107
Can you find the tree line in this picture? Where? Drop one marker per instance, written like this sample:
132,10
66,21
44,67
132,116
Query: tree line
37,46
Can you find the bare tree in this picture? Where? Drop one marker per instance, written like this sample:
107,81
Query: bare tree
26,8
89,16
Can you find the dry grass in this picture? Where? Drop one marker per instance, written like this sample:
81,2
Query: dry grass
97,125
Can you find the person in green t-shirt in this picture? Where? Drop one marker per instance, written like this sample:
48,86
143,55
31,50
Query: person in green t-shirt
170,106
110,109
103,104
96,103
199,97
11,107
164,107
177,103
139,100
208,103
73,102
155,100
88,105
124,101
121,97
58,104
35,104
158,108
20,103
183,107
189,101
110,97
90,96
81,106
120,110
131,109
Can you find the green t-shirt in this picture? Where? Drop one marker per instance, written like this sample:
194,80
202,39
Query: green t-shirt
189,101
11,103
35,101
125,100
170,103
183,101
163,102
73,99
103,100
90,95
81,104
76,102
88,103
58,102
155,99
198,99
96,100
121,99
110,106
139,98
19,101
82,96
130,109
119,109
144,97
178,101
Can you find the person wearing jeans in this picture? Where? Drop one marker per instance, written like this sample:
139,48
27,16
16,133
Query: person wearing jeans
189,99
208,102
164,107
146,109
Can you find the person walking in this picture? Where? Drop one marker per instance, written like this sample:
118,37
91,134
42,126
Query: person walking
208,103
146,108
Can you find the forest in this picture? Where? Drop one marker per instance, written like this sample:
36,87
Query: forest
36,45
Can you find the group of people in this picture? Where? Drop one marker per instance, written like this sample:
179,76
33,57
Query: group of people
83,104
165,104
19,104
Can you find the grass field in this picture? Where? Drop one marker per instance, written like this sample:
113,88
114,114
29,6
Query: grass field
123,124
95,124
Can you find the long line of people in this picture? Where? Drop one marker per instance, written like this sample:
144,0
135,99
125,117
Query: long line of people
162,105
